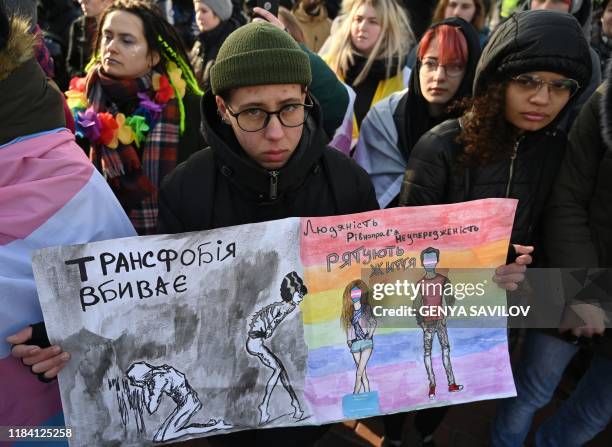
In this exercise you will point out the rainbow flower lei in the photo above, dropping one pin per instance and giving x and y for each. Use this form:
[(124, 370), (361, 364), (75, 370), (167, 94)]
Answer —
[(109, 130)]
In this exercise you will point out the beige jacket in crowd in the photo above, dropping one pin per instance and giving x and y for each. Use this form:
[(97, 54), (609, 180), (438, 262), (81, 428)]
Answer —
[(316, 28)]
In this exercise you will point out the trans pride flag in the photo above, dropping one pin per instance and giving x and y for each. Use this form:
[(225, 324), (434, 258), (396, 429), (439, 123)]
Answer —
[(50, 194)]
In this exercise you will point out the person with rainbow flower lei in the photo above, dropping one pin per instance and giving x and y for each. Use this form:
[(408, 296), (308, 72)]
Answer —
[(138, 106)]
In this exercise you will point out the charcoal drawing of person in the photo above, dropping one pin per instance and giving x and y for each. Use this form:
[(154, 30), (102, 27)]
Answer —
[(262, 326), (156, 381)]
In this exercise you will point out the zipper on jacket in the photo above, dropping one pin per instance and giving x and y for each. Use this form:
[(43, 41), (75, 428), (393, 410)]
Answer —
[(511, 173), (273, 184)]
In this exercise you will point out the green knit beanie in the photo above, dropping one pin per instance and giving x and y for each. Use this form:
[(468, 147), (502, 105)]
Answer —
[(259, 54)]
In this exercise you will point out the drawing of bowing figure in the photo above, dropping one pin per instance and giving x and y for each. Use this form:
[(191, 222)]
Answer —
[(262, 326), (156, 381), (359, 323)]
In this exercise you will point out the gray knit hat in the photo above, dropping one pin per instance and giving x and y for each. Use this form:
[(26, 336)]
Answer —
[(259, 54), (221, 8)]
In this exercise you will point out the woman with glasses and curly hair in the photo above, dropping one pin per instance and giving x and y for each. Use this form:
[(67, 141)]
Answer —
[(507, 143), (137, 107)]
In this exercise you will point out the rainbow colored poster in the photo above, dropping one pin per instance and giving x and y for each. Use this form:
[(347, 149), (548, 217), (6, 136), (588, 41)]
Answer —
[(407, 355), (292, 322)]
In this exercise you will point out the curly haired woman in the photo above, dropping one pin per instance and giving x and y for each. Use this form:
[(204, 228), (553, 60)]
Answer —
[(507, 143)]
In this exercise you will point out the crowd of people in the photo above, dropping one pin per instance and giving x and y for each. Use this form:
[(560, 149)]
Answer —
[(125, 117)]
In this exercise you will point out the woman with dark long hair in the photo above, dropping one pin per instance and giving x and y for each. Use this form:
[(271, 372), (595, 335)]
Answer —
[(138, 106)]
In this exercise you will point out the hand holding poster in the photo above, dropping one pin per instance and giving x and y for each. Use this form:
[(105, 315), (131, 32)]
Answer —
[(281, 323)]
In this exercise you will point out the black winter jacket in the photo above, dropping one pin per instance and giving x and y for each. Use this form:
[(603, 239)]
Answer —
[(432, 176), (206, 48), (579, 218), (222, 186), (80, 46)]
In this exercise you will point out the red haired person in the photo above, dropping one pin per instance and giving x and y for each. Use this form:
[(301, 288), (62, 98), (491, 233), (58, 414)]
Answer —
[(443, 74)]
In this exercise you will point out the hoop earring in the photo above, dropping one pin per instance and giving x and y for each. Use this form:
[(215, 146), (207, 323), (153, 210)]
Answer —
[(223, 117)]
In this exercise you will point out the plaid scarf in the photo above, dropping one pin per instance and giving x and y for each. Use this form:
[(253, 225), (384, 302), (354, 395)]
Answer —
[(135, 174)]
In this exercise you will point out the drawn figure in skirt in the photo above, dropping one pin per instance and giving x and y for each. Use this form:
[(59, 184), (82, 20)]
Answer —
[(359, 323)]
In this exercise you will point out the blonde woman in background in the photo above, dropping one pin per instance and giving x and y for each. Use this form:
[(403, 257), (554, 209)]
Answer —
[(472, 11), (368, 52)]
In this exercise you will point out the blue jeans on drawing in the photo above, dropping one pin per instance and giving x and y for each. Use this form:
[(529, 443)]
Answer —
[(584, 414)]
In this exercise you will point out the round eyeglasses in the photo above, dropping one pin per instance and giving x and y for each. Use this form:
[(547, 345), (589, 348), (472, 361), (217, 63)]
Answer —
[(533, 84), (255, 119)]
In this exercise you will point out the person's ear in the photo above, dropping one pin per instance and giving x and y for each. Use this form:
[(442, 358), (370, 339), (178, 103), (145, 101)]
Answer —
[(154, 58), (222, 109)]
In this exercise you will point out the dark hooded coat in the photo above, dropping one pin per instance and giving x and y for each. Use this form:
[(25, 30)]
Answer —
[(207, 45), (584, 16), (579, 216), (433, 175)]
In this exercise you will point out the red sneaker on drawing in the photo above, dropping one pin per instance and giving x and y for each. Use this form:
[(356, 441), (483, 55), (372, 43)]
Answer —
[(453, 388), (432, 392)]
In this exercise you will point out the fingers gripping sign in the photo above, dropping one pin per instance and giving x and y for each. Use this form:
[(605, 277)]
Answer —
[(509, 276), (33, 348)]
